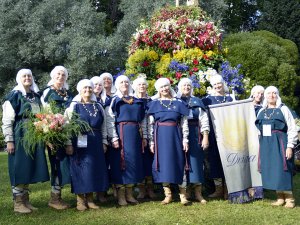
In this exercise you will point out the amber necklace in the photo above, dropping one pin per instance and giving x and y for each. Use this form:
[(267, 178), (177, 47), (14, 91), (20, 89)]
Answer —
[(128, 101), (89, 112), (62, 93), (166, 105)]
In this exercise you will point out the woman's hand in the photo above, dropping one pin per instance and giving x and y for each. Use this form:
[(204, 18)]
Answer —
[(10, 147), (115, 144), (152, 148), (185, 146), (288, 153), (205, 142), (69, 150), (104, 148)]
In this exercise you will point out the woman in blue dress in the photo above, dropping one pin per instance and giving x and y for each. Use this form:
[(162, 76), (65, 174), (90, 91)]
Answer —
[(23, 169), (278, 136), (87, 161), (139, 86), (198, 136), (217, 96), (168, 134), (57, 94), (128, 134)]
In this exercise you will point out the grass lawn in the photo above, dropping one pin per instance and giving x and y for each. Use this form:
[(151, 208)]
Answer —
[(215, 212)]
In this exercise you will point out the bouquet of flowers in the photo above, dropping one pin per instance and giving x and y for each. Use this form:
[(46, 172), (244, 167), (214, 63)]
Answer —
[(53, 129), (177, 42)]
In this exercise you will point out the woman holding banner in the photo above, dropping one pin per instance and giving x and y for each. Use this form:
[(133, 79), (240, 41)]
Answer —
[(217, 96), (278, 135)]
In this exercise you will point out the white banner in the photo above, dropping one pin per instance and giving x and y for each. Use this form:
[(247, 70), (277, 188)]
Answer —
[(237, 139)]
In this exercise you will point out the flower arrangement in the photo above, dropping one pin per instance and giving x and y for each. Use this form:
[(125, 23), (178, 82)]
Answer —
[(177, 42), (53, 129)]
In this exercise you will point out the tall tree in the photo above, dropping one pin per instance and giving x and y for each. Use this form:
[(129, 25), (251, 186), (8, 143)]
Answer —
[(40, 34), (282, 18), (240, 15)]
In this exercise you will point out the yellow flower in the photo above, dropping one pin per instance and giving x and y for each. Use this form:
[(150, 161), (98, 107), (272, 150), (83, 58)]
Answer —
[(163, 65), (194, 53), (210, 53), (152, 55)]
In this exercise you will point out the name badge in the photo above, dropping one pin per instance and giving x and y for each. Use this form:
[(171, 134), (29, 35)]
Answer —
[(267, 130), (82, 141), (35, 108)]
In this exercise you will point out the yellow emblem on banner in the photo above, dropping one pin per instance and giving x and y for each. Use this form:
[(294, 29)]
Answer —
[(234, 132)]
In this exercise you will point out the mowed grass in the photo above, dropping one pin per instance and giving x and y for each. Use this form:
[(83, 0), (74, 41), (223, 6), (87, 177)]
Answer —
[(150, 212)]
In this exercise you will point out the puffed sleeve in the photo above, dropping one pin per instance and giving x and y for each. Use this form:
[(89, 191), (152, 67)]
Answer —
[(203, 119), (111, 128), (45, 103), (104, 126), (8, 120), (185, 129), (150, 129), (292, 134)]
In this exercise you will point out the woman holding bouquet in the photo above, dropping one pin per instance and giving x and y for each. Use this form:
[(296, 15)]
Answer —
[(127, 131), (23, 169), (217, 96), (168, 134), (57, 97), (278, 136), (198, 136), (146, 187), (87, 161)]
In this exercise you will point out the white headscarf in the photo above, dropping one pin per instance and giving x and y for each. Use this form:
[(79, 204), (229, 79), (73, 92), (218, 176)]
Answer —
[(54, 72), (256, 88), (182, 82), (117, 85), (268, 90), (136, 82), (113, 89), (81, 84), (96, 80), (162, 82), (20, 86), (217, 79)]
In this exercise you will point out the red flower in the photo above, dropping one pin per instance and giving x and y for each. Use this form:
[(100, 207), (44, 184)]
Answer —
[(195, 69), (205, 57), (170, 79), (145, 63), (158, 76), (191, 73), (195, 62), (178, 75)]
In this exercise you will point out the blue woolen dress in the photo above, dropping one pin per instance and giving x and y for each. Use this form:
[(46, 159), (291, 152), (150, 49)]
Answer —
[(215, 164), (195, 154), (126, 162), (23, 168), (276, 170), (88, 168), (169, 157)]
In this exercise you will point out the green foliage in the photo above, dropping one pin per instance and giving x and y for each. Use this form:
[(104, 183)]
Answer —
[(240, 15), (215, 8), (52, 129), (282, 18), (41, 34), (266, 60)]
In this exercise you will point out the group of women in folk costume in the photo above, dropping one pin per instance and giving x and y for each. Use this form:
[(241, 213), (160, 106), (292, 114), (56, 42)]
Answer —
[(136, 140)]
